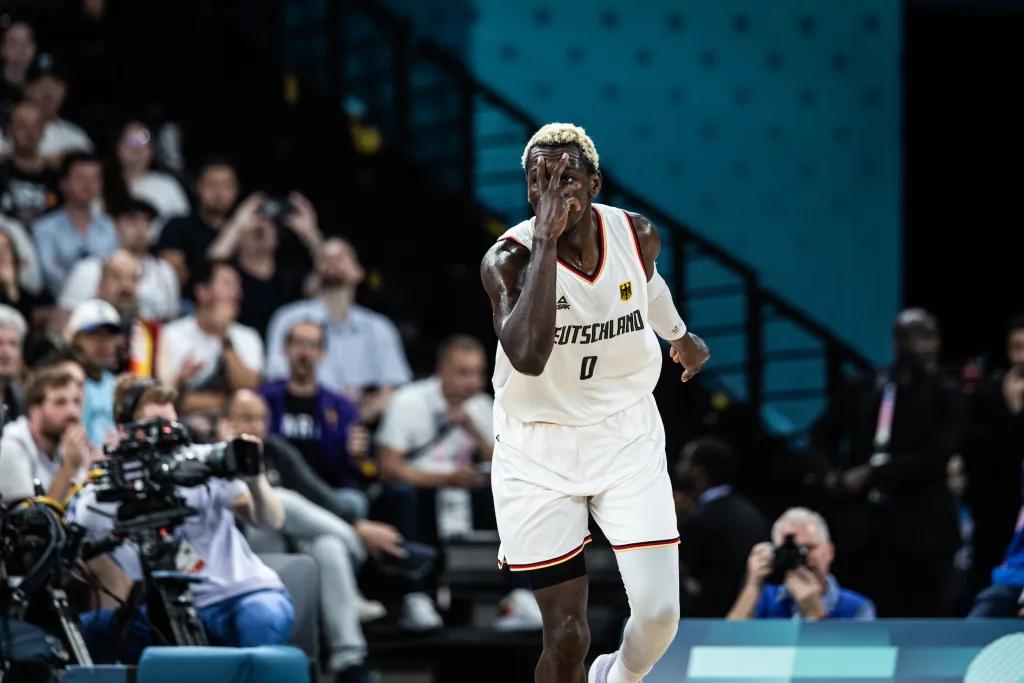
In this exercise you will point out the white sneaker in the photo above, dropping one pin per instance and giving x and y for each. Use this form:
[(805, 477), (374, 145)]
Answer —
[(370, 610), (419, 613), (519, 611), (601, 667)]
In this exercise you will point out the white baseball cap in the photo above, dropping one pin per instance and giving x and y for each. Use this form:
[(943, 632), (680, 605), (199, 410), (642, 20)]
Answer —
[(90, 316)]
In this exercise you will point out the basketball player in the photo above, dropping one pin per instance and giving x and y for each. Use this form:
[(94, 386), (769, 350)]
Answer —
[(577, 303)]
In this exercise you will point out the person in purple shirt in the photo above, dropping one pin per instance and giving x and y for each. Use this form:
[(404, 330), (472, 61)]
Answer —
[(322, 425)]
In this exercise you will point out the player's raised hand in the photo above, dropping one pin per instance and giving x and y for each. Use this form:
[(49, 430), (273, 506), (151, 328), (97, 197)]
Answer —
[(691, 352), (553, 205)]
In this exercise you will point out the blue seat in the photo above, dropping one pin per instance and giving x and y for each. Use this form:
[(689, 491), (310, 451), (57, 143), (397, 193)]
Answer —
[(268, 664)]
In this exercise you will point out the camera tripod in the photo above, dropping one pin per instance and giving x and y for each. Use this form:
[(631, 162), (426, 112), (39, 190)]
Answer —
[(165, 590)]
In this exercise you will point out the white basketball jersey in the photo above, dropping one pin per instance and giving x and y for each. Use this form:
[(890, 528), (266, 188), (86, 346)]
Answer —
[(606, 357)]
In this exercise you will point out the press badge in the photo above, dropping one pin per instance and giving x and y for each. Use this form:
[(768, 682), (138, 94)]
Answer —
[(188, 559)]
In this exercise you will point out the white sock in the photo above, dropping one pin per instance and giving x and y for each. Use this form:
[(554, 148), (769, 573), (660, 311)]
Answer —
[(651, 577)]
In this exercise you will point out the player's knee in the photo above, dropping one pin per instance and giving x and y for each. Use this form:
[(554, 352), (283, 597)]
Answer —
[(569, 639), (660, 620)]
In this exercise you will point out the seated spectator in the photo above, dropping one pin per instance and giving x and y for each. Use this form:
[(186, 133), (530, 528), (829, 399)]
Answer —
[(365, 361), (241, 602), (719, 525), (808, 592), (251, 240), (322, 425), (158, 290), (993, 458), (46, 443), (887, 440), (94, 333), (132, 176), (47, 88), (1005, 597), (17, 52), (314, 519), (119, 286), (13, 291), (28, 181), (185, 240), (12, 333), (208, 355), (432, 434), (75, 230)]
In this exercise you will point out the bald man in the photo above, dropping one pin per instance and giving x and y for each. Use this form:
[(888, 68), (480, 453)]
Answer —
[(314, 518)]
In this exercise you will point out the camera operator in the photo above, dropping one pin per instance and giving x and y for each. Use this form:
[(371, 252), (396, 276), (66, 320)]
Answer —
[(48, 443), (808, 590), (241, 601)]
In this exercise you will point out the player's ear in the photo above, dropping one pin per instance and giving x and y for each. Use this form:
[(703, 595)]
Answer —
[(595, 184)]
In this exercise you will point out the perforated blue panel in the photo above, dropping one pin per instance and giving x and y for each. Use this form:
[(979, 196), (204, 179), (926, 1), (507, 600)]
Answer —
[(771, 127)]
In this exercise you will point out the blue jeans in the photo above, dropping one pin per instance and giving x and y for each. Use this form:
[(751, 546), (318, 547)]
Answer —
[(263, 617)]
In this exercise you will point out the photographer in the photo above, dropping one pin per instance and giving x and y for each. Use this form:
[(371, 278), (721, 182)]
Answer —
[(48, 443), (241, 601), (808, 590)]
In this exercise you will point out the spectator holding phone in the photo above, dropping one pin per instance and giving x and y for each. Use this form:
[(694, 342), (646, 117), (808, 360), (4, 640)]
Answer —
[(793, 579)]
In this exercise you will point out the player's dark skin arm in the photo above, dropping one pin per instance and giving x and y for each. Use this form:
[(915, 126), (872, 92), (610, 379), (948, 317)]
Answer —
[(521, 282), (690, 351)]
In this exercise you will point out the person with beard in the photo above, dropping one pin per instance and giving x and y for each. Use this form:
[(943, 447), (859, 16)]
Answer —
[(184, 241), (48, 443), (209, 355), (322, 425), (95, 334), (251, 242), (884, 443), (719, 526), (364, 359)]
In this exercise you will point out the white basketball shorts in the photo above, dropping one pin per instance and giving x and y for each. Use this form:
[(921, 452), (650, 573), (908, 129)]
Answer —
[(547, 477)]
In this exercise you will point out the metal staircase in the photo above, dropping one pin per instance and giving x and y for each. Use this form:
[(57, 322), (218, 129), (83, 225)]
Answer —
[(469, 137)]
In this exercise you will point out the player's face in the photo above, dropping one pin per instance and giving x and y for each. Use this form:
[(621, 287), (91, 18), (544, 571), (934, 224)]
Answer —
[(462, 374), (576, 180)]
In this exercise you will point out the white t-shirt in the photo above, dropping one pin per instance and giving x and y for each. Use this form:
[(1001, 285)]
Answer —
[(21, 461), (164, 193), (183, 339), (230, 567), (61, 137), (159, 292), (414, 424)]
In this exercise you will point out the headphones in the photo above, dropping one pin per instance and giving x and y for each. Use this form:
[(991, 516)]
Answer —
[(130, 400)]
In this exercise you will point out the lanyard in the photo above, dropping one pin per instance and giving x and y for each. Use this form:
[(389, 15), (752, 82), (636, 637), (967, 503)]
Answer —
[(883, 432)]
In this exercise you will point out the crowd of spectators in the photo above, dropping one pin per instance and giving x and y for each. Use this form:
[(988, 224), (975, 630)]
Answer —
[(125, 279)]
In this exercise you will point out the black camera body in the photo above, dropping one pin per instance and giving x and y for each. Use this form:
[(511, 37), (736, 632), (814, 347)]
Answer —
[(153, 458), (787, 557)]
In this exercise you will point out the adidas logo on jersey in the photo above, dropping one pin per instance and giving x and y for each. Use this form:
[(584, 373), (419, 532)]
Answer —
[(562, 304)]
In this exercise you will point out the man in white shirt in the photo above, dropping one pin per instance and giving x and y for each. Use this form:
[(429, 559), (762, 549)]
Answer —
[(47, 443), (159, 293), (208, 355)]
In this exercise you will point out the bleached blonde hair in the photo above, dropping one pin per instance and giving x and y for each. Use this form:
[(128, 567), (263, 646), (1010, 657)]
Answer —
[(557, 134), (800, 516)]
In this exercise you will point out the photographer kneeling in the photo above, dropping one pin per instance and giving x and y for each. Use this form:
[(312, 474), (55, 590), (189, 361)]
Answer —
[(792, 577), (240, 601)]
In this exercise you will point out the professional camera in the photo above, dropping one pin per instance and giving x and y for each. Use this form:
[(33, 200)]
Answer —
[(787, 557), (154, 456), (142, 474), (38, 632)]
